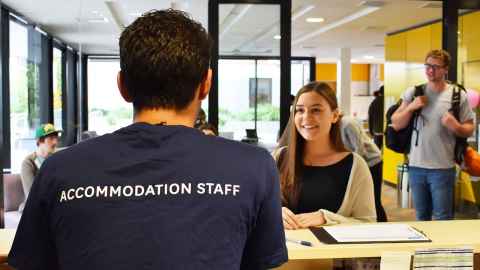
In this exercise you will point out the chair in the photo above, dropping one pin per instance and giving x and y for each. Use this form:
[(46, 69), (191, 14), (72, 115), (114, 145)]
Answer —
[(251, 136), (13, 198), (13, 190)]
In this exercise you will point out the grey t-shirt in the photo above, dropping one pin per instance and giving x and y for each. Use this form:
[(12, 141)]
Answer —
[(435, 142)]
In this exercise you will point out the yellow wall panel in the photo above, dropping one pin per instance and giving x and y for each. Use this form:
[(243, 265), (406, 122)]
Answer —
[(418, 44), (471, 36), (326, 72), (382, 72), (360, 72), (436, 36), (466, 188), (396, 45), (390, 162), (395, 80)]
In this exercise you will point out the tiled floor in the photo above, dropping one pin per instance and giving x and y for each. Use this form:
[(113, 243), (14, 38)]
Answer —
[(394, 213)]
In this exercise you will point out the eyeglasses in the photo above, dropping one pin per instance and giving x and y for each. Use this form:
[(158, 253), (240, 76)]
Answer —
[(434, 67)]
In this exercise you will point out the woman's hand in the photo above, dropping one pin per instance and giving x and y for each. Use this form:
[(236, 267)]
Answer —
[(310, 219), (289, 219)]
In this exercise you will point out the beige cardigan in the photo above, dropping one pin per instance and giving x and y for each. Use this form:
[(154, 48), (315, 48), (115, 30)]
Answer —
[(358, 203)]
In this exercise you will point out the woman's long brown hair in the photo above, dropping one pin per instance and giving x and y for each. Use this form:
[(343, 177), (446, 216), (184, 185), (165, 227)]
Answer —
[(290, 162)]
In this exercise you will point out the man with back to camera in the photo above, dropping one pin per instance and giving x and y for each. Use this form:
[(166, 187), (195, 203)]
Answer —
[(145, 196), (431, 160), (47, 141)]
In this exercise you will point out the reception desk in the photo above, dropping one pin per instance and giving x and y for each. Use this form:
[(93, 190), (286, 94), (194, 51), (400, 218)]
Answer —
[(6, 240), (454, 233)]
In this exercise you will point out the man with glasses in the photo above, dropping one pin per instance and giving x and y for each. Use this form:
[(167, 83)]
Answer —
[(431, 158)]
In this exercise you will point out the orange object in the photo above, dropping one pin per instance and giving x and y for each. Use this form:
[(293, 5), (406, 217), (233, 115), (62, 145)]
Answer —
[(472, 161)]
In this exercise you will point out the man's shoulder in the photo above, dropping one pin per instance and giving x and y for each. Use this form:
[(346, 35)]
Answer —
[(30, 158), (408, 93), (89, 147), (231, 147)]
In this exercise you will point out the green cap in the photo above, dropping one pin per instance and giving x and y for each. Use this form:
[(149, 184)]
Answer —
[(46, 129)]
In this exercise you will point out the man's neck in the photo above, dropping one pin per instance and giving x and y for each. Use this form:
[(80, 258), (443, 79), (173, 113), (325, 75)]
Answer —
[(164, 116), (437, 86)]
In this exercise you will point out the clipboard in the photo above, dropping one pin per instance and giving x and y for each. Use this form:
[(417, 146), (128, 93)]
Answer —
[(325, 237)]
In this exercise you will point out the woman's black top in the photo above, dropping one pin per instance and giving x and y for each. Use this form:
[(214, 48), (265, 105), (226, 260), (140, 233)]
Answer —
[(323, 187)]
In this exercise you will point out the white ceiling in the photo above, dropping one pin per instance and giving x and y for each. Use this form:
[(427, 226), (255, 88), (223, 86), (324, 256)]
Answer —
[(77, 23)]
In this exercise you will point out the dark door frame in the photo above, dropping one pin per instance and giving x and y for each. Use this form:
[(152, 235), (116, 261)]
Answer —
[(285, 54)]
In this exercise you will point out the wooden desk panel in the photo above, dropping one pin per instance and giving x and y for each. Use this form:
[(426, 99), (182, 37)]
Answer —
[(6, 240), (453, 233)]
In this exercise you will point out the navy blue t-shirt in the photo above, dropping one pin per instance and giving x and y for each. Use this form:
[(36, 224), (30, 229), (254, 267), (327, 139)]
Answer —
[(153, 197)]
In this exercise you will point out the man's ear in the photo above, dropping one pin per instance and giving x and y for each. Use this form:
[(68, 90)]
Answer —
[(205, 85), (122, 88)]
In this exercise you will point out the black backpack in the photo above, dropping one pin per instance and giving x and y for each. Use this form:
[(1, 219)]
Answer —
[(460, 142), (399, 140)]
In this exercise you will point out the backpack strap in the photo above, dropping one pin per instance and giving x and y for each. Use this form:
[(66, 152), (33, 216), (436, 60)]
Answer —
[(455, 109), (419, 91), (460, 142)]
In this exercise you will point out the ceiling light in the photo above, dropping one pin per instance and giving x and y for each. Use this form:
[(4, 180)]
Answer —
[(135, 14), (369, 57), (277, 37), (301, 11), (99, 20), (335, 24), (315, 20)]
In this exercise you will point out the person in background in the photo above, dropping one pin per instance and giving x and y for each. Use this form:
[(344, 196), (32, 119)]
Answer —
[(375, 117), (145, 196), (322, 183), (47, 141), (208, 129), (356, 140), (201, 119), (87, 135), (431, 172)]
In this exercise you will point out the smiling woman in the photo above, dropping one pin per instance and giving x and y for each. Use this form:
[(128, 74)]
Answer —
[(322, 183)]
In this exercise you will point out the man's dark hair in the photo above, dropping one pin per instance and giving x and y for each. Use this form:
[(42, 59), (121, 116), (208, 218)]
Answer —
[(164, 56)]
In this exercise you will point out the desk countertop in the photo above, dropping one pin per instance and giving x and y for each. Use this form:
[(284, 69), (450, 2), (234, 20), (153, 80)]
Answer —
[(454, 233), (6, 240)]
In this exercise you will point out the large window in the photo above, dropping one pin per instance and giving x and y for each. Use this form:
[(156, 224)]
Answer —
[(107, 111), (25, 60), (300, 75), (57, 88), (260, 91), (249, 96)]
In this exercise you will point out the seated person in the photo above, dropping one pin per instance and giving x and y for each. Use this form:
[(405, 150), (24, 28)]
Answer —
[(88, 134), (356, 140), (47, 140), (321, 182), (208, 129), (201, 119)]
